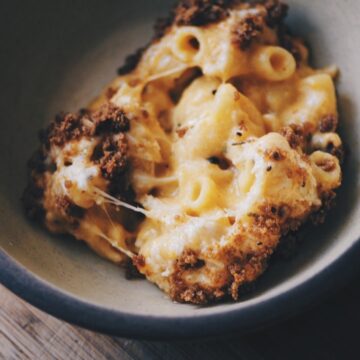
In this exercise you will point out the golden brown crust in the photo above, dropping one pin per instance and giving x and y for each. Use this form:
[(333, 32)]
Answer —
[(201, 12), (66, 127), (68, 212), (131, 61), (276, 12), (240, 270), (247, 30), (111, 156), (110, 119), (193, 12), (185, 12), (205, 12), (73, 126), (328, 123), (139, 261), (294, 135), (189, 260), (241, 267), (109, 123)]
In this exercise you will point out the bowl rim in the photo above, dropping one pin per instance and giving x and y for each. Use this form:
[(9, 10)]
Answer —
[(76, 311)]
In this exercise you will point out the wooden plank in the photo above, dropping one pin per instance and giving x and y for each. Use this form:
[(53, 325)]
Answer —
[(328, 331)]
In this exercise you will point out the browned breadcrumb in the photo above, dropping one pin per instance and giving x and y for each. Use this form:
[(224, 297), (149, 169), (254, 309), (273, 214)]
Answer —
[(275, 154), (69, 208), (139, 261), (131, 61), (111, 155), (247, 30), (246, 270), (68, 211), (201, 12), (66, 127), (109, 123), (70, 126), (196, 294), (110, 118), (241, 269), (162, 25), (194, 12), (204, 12), (190, 260), (273, 219), (276, 12), (294, 135), (328, 123)]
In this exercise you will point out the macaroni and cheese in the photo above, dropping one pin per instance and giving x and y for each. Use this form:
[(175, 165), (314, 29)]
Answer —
[(212, 144)]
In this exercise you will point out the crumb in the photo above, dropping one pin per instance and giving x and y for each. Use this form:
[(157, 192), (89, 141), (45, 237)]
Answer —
[(328, 123), (294, 135), (110, 118), (246, 31), (112, 157), (131, 61), (190, 260), (276, 12)]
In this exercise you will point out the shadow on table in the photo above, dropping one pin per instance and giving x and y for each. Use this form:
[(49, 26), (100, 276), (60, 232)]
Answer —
[(327, 331)]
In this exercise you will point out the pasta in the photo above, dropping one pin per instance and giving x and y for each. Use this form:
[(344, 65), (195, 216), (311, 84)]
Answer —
[(273, 63), (196, 161)]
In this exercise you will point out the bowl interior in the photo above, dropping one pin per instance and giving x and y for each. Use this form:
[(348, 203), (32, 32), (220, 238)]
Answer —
[(58, 57)]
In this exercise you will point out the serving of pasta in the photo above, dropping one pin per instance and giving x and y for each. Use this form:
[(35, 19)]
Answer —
[(215, 142)]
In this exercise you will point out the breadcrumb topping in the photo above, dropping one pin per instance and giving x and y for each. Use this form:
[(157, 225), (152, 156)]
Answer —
[(248, 29)]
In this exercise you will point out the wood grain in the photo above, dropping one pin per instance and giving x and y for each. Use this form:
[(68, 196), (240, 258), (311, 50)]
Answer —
[(328, 331)]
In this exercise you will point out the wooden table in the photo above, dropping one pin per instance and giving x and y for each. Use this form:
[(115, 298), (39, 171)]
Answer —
[(331, 330)]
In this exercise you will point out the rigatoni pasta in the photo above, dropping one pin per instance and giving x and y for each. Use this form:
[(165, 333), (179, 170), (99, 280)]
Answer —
[(212, 145)]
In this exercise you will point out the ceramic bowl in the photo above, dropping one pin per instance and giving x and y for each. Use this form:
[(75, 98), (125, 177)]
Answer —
[(58, 56)]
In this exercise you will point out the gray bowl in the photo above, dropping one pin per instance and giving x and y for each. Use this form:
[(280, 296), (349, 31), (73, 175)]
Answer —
[(57, 56)]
